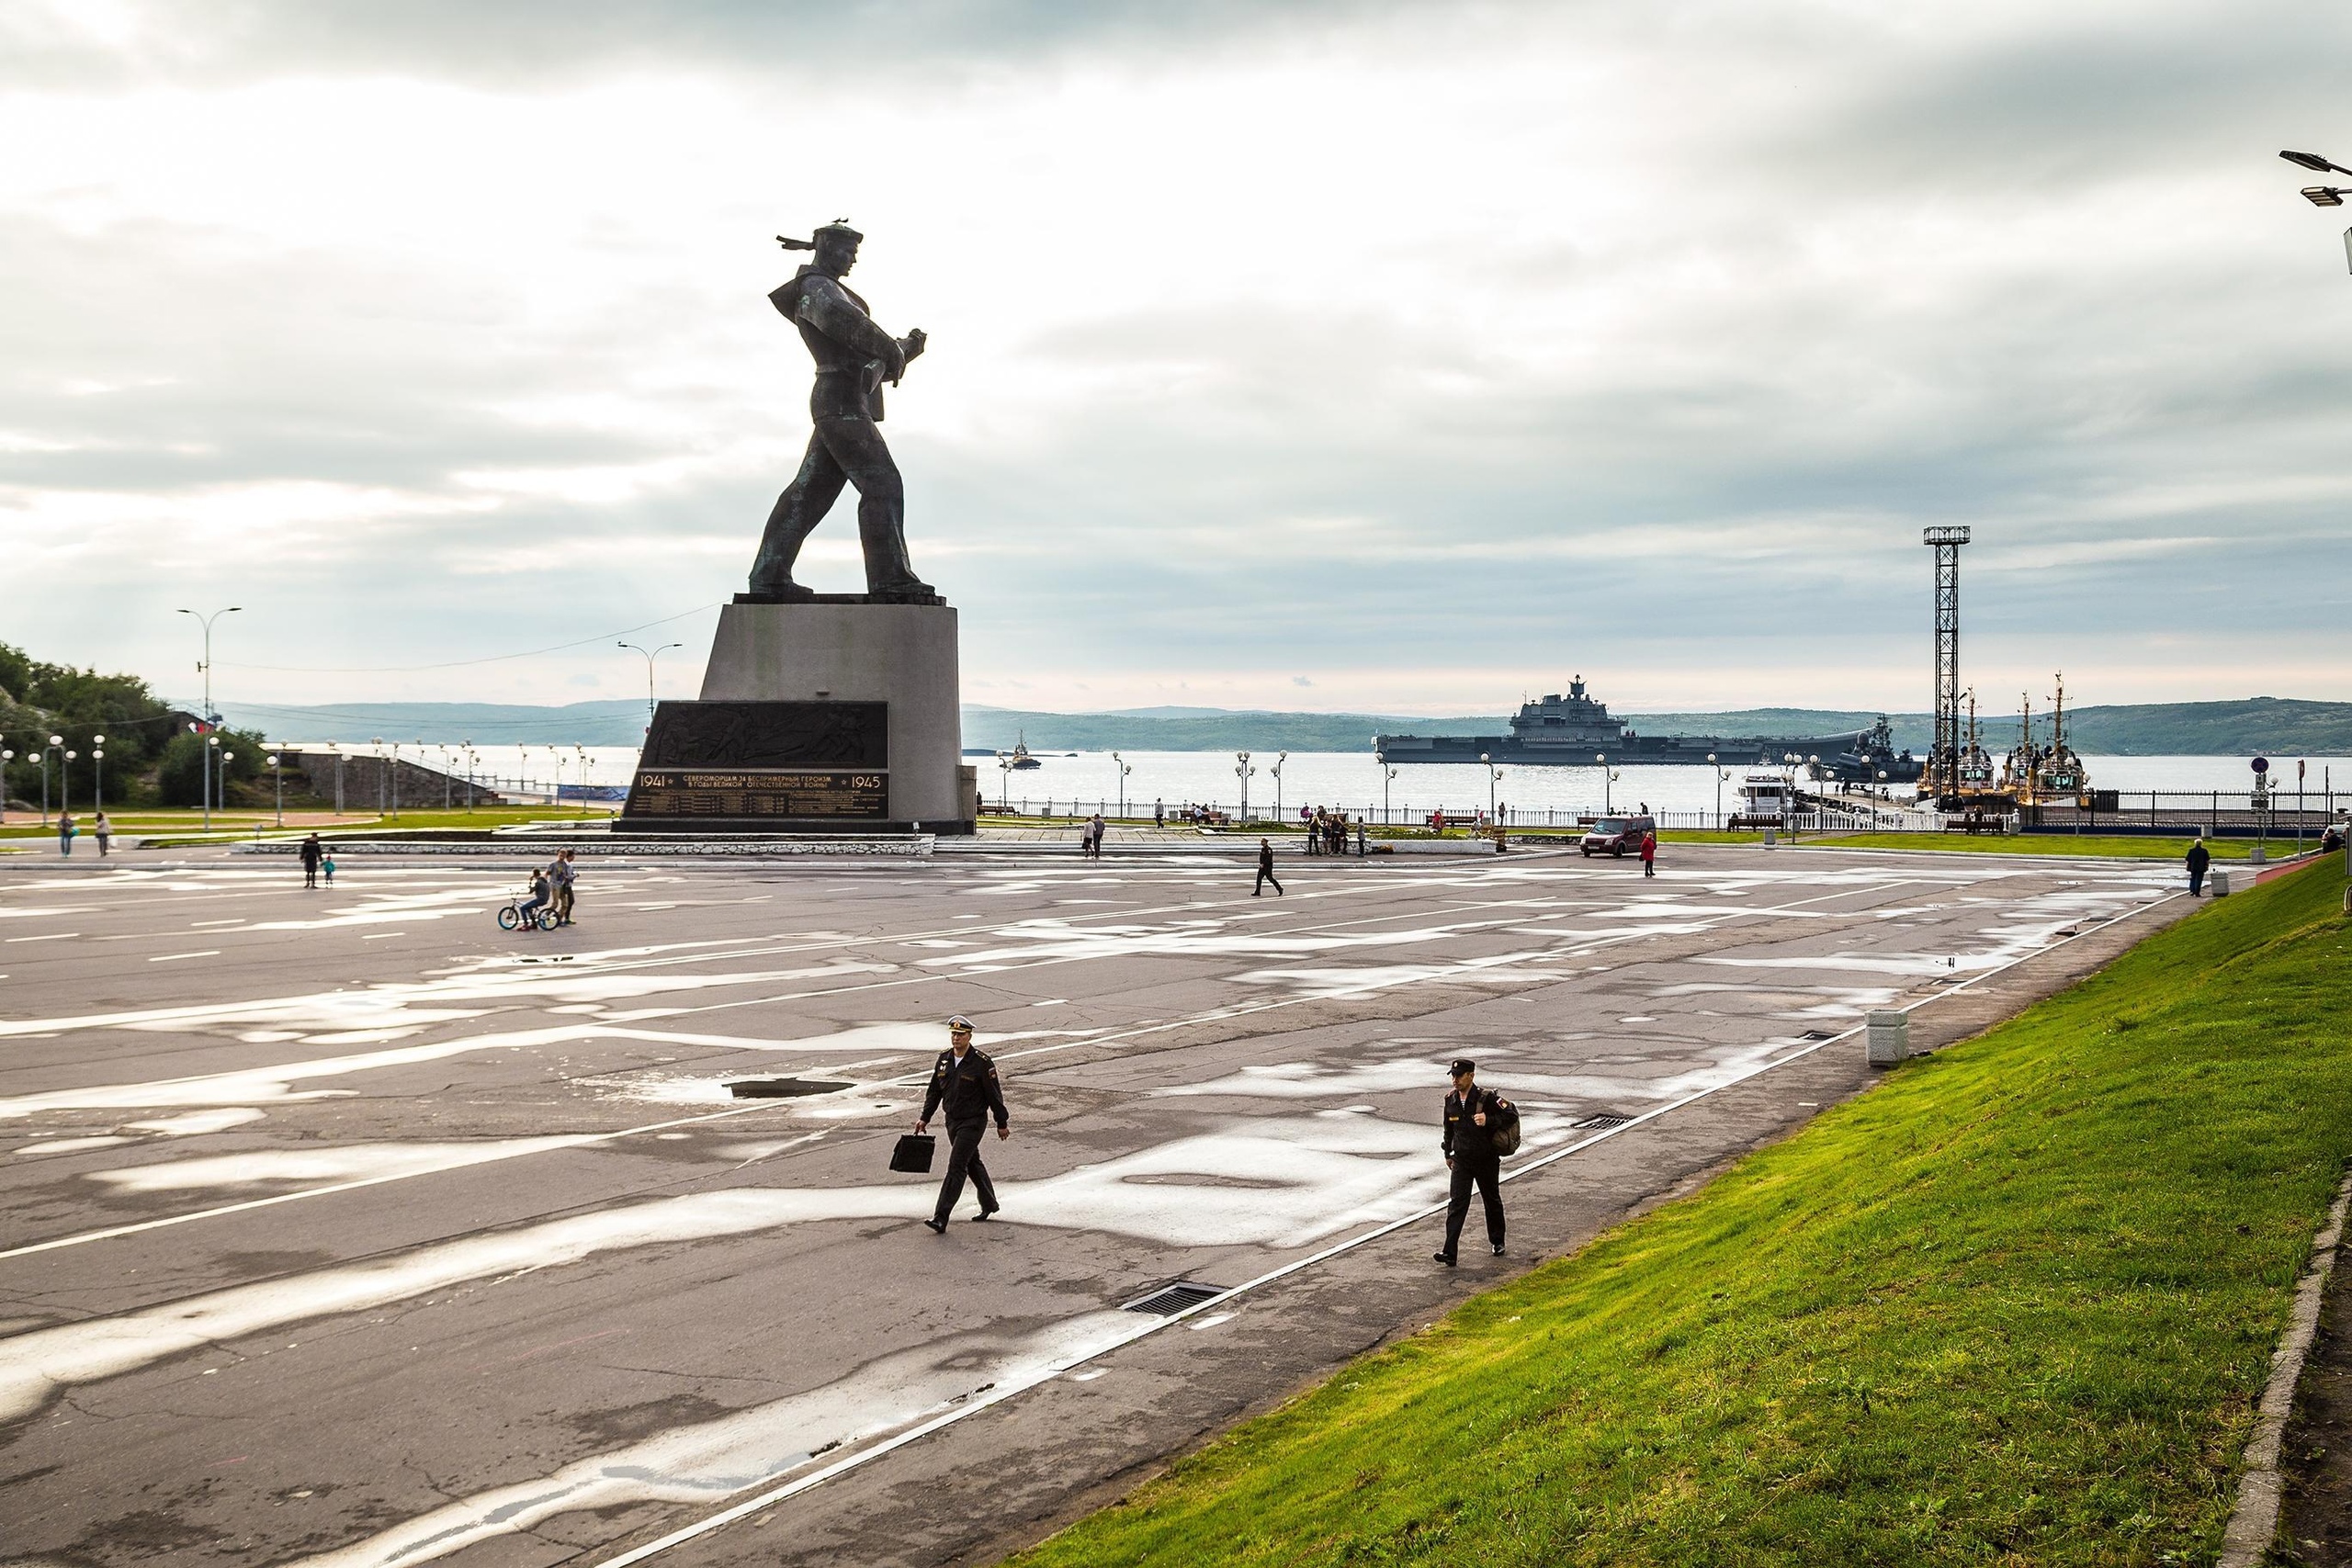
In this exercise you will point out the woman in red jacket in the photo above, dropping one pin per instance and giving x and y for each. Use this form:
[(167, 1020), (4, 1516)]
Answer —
[(1649, 851)]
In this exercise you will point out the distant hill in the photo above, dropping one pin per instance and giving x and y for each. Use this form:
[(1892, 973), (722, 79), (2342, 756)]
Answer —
[(2283, 727)]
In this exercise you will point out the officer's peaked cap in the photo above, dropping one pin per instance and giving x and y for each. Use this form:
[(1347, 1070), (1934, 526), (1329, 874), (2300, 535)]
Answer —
[(960, 1021), (1463, 1065)]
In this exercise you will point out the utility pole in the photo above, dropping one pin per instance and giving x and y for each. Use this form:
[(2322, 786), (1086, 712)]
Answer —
[(1944, 756)]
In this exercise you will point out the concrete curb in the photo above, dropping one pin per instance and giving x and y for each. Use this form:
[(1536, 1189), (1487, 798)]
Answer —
[(2253, 1522)]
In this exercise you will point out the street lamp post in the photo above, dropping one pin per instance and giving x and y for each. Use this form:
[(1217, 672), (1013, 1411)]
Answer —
[(1387, 777), (209, 718), (56, 743), (98, 772), (468, 748), (277, 783), (1280, 758), (65, 782), (1607, 778), (580, 754), (651, 655), (1719, 791), (6, 757), (1003, 783), (1242, 771), (1123, 772), (1493, 774)]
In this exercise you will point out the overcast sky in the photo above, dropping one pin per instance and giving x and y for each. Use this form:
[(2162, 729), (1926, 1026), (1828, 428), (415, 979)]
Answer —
[(1403, 358)]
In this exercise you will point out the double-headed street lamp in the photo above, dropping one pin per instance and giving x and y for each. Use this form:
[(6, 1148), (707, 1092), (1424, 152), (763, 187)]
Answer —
[(1124, 770), (1388, 776), (98, 773), (278, 780), (651, 655), (1493, 774), (1608, 777), (1003, 781), (1276, 769), (1720, 776), (1244, 771), (2323, 195)]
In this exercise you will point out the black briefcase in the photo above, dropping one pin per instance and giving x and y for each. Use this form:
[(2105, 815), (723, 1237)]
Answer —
[(914, 1153)]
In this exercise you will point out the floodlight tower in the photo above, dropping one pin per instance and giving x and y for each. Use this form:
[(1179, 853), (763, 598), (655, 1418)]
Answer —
[(1943, 758)]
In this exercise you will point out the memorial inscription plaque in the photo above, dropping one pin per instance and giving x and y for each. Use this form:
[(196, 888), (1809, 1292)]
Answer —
[(749, 763)]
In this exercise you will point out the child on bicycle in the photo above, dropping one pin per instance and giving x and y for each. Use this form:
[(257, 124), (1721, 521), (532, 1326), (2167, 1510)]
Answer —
[(540, 896)]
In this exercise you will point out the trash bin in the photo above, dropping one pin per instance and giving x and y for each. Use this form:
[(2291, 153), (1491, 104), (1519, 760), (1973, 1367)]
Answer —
[(2219, 881), (1768, 838), (2255, 857), (1890, 1038)]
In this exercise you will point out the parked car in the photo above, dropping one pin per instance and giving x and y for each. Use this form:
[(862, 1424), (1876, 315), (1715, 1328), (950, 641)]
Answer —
[(1615, 835)]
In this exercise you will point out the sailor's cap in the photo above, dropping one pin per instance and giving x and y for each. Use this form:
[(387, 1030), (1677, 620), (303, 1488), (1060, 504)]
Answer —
[(960, 1023)]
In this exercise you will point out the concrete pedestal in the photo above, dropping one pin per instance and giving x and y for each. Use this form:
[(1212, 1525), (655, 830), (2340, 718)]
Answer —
[(802, 706)]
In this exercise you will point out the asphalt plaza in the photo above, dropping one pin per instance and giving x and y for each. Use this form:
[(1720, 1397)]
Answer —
[(340, 1227)]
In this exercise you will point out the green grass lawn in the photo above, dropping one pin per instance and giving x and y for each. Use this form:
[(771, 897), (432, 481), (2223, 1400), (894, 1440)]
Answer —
[(2057, 845), (2011, 1306)]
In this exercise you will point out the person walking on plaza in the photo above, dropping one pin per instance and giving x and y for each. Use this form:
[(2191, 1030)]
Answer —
[(560, 876), (2200, 857), (313, 852), (1266, 869), (1649, 851), (104, 831), (964, 1083), (1159, 813), (65, 832), (1473, 1117)]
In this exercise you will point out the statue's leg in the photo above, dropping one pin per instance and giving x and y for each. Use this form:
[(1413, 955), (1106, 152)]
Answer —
[(857, 445), (797, 511)]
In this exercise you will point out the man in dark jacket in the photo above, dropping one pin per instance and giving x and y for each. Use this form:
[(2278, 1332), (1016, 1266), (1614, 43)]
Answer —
[(964, 1082), (1266, 869), (1472, 1115), (2200, 857), (311, 853)]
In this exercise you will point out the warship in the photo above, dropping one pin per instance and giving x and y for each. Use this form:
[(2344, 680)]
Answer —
[(1573, 730)]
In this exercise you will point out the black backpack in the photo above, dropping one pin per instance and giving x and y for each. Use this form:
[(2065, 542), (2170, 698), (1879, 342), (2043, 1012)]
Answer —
[(1502, 1125)]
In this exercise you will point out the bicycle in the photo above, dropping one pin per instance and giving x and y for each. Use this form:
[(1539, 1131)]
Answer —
[(511, 917)]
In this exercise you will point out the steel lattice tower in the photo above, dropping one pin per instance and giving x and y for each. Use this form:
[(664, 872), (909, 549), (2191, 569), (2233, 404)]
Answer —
[(1943, 759)]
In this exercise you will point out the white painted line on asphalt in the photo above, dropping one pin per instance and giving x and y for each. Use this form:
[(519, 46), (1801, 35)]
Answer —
[(168, 957), (53, 936), (536, 1145), (972, 1408)]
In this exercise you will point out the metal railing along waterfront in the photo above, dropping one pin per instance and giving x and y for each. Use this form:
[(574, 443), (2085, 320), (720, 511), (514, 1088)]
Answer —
[(2162, 813)]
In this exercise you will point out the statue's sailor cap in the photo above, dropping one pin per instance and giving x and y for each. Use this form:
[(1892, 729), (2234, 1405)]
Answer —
[(838, 228)]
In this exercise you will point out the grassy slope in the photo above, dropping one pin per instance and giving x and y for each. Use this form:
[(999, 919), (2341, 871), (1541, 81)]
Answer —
[(2011, 1306)]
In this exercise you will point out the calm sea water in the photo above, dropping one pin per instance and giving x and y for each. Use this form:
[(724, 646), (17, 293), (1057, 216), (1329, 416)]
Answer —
[(1351, 780)]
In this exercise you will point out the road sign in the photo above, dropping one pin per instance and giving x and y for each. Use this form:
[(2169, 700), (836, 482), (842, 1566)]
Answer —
[(2262, 764)]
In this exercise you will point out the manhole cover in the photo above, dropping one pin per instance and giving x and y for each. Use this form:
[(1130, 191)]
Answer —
[(1175, 1298), (1602, 1123), (779, 1089)]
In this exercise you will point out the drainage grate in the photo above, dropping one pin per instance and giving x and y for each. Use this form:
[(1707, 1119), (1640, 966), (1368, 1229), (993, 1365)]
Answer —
[(1818, 1035), (779, 1089), (1602, 1123), (1175, 1298)]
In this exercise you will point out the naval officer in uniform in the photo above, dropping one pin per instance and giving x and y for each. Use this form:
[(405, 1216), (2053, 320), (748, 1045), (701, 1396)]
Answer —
[(964, 1081)]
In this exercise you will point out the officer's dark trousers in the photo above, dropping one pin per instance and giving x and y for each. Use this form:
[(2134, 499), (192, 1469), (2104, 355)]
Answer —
[(2197, 882), (1486, 1176), (1265, 877), (840, 450), (963, 1157)]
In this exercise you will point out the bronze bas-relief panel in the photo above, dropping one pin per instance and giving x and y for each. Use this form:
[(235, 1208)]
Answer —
[(720, 736), (755, 792)]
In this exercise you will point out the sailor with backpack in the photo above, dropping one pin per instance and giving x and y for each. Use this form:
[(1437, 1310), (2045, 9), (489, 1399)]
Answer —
[(1481, 1127)]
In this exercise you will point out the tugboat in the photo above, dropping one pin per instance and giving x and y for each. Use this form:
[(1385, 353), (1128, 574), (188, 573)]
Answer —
[(1021, 761), (2034, 774)]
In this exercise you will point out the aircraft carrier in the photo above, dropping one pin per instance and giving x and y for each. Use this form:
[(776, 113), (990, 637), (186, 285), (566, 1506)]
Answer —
[(1572, 730)]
